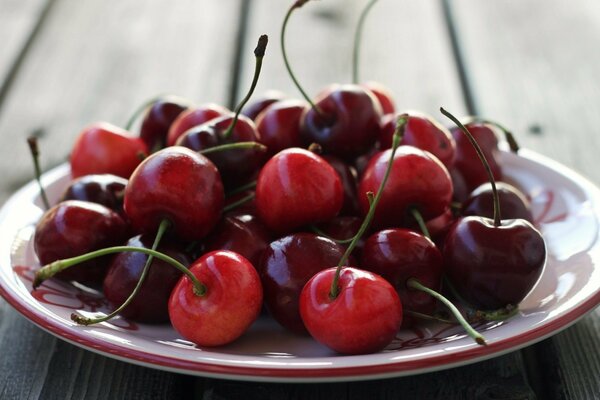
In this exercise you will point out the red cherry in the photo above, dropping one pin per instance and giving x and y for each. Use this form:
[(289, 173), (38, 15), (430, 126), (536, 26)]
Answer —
[(232, 300), (279, 125), (417, 179), (297, 188), (348, 177), (158, 119), (254, 109), (103, 148), (383, 94), (400, 254), (104, 189), (286, 265), (363, 318), (72, 228), (150, 304), (349, 122), (513, 202), (192, 117), (179, 185)]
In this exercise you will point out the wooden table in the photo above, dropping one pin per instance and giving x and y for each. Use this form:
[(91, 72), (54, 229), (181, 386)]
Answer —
[(533, 65)]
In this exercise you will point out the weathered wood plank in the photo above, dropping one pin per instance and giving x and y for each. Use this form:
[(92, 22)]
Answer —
[(534, 66), (98, 60)]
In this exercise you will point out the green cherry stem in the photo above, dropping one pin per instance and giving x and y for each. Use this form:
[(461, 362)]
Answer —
[(35, 155), (49, 270), (415, 284), (508, 135), (357, 37), (259, 53), (428, 317), (321, 233), (420, 221), (297, 4), (398, 133), (162, 228), (234, 146), (238, 203), (497, 217), (243, 188)]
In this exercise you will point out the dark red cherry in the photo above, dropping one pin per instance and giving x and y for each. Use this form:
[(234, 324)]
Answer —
[(279, 125), (179, 185), (383, 94), (158, 120), (151, 303), (297, 188), (401, 254), (348, 176), (467, 161), (349, 124), (422, 132), (493, 266), (243, 234), (254, 109), (192, 117), (461, 191), (344, 228), (73, 228), (513, 202), (287, 264), (103, 148), (105, 189), (417, 179)]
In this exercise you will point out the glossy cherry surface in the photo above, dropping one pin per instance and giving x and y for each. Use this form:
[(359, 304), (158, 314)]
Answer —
[(279, 125), (105, 189), (347, 175), (72, 228), (253, 109), (493, 266), (383, 95), (417, 179), (363, 318), (232, 301), (513, 202), (192, 117), (177, 184), (102, 148), (297, 188), (400, 254), (350, 123), (287, 264), (151, 303), (158, 119)]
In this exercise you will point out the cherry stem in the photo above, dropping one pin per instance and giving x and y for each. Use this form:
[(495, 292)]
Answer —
[(35, 155), (321, 233), (49, 270), (494, 315), (396, 138), (420, 221), (297, 4), (415, 284), (486, 165), (162, 228), (243, 188), (238, 203), (429, 317), (508, 135), (234, 146), (259, 53), (357, 37)]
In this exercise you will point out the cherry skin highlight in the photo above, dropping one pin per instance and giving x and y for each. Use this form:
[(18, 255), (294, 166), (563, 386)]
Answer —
[(193, 117), (279, 125)]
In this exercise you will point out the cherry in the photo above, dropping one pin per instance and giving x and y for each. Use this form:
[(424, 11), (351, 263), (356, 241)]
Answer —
[(105, 189), (158, 119), (125, 270), (103, 148), (400, 254), (254, 109), (297, 188), (513, 202), (348, 177), (286, 265), (243, 234), (178, 185), (383, 94), (467, 162), (231, 302), (461, 191), (74, 227), (492, 263), (418, 181), (422, 132), (279, 125), (193, 117)]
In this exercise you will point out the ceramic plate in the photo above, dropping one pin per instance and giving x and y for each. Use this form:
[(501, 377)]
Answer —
[(566, 208)]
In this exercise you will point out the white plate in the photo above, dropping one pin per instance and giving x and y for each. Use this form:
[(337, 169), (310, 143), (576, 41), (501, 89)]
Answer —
[(565, 206)]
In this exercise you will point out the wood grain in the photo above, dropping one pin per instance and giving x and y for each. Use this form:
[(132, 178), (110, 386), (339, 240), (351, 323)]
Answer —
[(534, 67)]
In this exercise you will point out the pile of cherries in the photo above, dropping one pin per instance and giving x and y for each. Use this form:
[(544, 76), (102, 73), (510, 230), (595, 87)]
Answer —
[(345, 218)]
